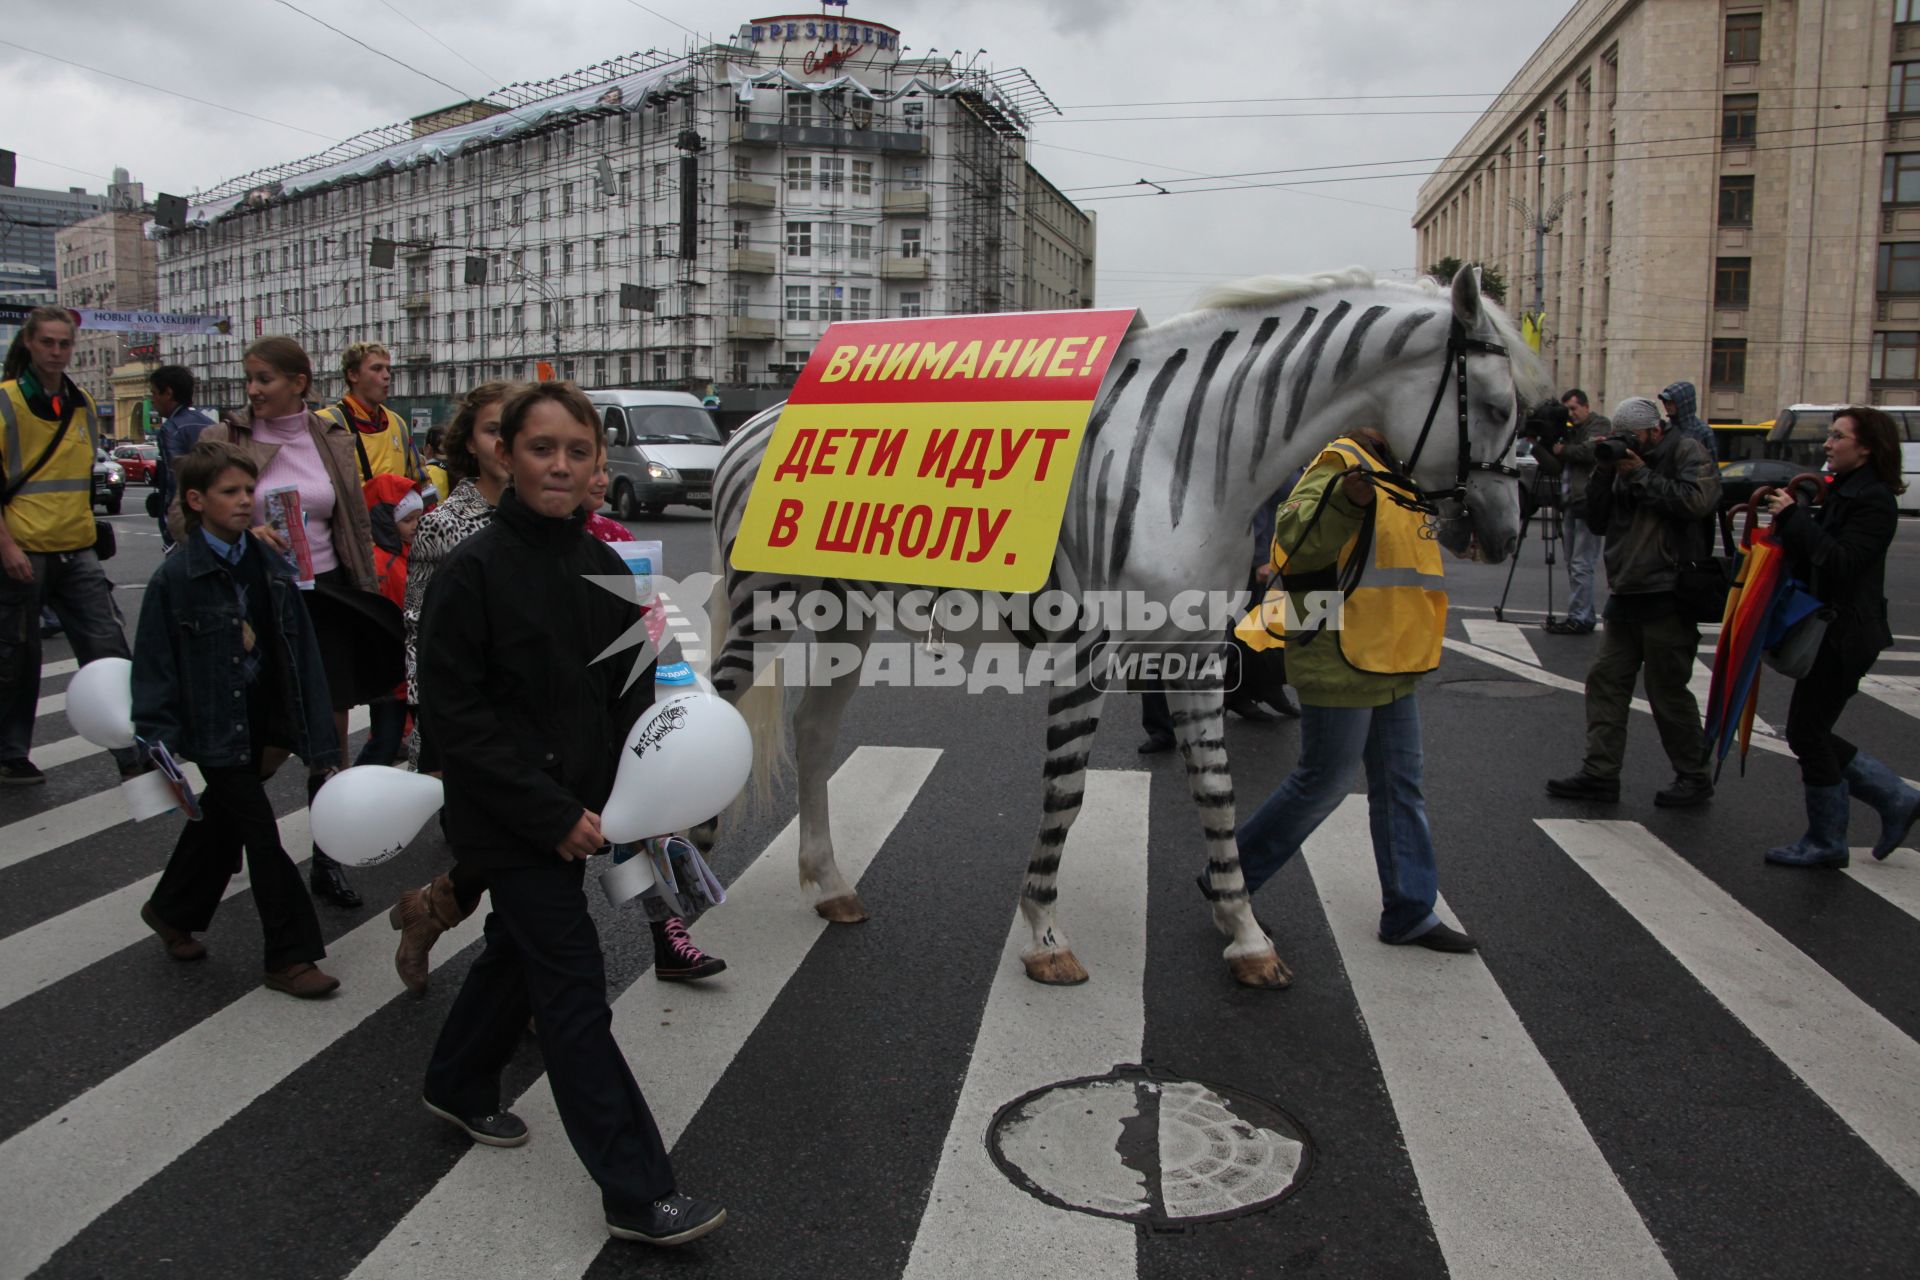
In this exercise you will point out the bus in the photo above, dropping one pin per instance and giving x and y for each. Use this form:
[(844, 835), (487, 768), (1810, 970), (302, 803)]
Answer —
[(1738, 441), (1801, 430)]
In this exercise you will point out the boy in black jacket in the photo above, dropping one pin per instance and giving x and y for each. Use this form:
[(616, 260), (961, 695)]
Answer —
[(227, 673), (531, 730)]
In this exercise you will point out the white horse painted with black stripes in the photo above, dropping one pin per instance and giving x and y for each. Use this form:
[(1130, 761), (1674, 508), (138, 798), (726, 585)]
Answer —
[(1199, 420)]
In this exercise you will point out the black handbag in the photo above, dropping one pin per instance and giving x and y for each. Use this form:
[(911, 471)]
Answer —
[(105, 544), (1702, 584)]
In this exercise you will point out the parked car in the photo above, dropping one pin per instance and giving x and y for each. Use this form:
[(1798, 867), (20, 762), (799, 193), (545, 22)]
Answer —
[(1739, 479), (141, 462), (109, 484), (662, 447)]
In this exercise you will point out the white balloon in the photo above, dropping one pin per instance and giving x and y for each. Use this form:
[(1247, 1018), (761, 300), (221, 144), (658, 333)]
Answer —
[(100, 702), (684, 761), (367, 814)]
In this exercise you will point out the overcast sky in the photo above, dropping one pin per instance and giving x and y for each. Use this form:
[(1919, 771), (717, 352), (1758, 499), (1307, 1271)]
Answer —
[(71, 127)]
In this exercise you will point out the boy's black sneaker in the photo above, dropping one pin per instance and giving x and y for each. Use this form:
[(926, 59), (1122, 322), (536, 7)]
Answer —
[(1685, 793), (20, 773), (497, 1129), (677, 959), (676, 1219)]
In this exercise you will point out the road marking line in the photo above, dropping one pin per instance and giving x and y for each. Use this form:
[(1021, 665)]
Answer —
[(474, 1220), (59, 667), (1701, 683), (1897, 879), (80, 1160), (1501, 637), (1032, 1035), (1902, 693), (1852, 1058), (1514, 1183), (52, 704), (60, 946)]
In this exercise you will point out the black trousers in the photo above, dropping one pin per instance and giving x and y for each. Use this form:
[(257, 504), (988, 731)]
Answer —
[(236, 815), (543, 958), (1818, 699)]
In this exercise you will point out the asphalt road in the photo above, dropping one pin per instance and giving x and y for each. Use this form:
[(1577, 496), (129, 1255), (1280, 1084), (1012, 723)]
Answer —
[(1670, 1059)]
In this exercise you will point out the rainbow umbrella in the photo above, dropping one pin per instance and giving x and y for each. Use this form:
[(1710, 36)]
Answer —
[(1745, 630)]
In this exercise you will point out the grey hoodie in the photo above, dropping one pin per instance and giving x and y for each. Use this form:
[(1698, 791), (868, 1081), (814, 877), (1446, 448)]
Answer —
[(1686, 417)]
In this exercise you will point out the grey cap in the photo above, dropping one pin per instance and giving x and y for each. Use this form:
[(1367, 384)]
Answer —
[(1636, 413)]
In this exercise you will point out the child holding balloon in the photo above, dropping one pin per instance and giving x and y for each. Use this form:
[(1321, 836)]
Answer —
[(529, 727), (227, 673)]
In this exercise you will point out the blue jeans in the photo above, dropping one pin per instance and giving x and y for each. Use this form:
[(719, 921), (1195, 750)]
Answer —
[(1332, 741), (386, 724), (1583, 558)]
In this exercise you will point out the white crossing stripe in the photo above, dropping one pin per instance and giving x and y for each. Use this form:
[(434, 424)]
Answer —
[(1501, 637), (51, 704), (1897, 879), (1701, 682), (475, 1220), (1514, 1184), (59, 667), (79, 1161), (60, 946), (89, 816), (1857, 1062), (1902, 693), (1032, 1035), (1892, 656)]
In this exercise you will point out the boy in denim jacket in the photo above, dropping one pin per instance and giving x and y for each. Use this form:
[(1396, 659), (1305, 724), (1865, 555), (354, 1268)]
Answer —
[(227, 673)]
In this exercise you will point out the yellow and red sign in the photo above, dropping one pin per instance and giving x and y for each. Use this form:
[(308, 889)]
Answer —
[(933, 452)]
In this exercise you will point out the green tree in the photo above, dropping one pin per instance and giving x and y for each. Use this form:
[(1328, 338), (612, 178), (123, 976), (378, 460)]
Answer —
[(1493, 281)]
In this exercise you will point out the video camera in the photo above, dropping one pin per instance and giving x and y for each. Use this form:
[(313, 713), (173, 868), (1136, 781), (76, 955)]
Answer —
[(1615, 447), (1547, 424)]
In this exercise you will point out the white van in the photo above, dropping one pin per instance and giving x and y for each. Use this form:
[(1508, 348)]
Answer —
[(662, 447)]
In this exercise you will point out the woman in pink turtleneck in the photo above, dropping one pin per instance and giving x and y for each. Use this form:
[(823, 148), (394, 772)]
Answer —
[(360, 644)]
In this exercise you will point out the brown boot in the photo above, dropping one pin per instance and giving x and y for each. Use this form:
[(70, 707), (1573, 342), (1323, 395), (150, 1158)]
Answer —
[(421, 916), (303, 981), (180, 944)]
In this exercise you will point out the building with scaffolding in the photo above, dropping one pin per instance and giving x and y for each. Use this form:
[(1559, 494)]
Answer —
[(653, 220), (106, 261)]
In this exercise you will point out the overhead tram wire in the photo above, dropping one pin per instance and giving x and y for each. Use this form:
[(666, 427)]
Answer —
[(491, 78), (1713, 90), (114, 75), (458, 92)]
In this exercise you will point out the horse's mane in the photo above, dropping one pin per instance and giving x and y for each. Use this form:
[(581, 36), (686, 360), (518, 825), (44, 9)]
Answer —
[(1529, 373)]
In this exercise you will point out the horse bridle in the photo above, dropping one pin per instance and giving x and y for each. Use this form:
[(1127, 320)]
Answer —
[(1460, 344)]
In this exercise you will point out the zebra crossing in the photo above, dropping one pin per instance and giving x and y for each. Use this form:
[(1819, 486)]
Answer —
[(1520, 1098)]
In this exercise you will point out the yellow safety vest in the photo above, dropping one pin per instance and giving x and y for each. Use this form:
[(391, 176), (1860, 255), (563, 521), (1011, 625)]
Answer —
[(436, 474), (1394, 621), (53, 512), (382, 453)]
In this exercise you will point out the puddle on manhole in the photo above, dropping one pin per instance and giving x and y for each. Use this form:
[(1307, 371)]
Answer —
[(1496, 688), (1155, 1150)]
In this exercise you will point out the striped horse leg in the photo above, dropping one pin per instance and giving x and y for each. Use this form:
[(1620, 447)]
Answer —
[(740, 651), (1072, 716), (1199, 718), (834, 675)]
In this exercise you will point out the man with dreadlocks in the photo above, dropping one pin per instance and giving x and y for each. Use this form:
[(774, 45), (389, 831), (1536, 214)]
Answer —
[(1362, 613)]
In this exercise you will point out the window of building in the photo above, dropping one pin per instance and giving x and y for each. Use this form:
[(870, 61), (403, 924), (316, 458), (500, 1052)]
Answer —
[(796, 359), (799, 302), (1736, 200), (863, 177), (546, 204), (659, 181), (599, 308), (799, 239), (859, 303), (910, 242), (799, 173), (911, 177), (599, 253), (494, 324), (659, 366), (1743, 37), (1728, 371), (566, 200), (1896, 357), (860, 112), (910, 305), (516, 209), (799, 109), (833, 303), (1739, 119), (626, 370), (566, 256), (599, 371), (1900, 179), (833, 173), (742, 235), (860, 240), (1903, 94), (740, 301), (914, 115), (473, 326), (1899, 269), (827, 239), (546, 259), (1732, 281), (1905, 11), (546, 317), (493, 212)]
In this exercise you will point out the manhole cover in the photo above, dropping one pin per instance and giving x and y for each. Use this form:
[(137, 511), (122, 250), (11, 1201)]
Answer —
[(1497, 688), (1151, 1149)]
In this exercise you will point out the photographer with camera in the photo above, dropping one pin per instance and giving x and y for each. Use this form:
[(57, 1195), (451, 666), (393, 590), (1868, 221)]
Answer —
[(1651, 493), (1571, 457)]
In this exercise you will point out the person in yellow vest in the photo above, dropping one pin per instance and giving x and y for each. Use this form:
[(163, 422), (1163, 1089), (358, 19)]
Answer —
[(48, 434), (435, 467), (1362, 611), (383, 444)]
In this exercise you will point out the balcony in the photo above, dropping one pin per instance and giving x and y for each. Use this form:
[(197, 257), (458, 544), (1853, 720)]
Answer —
[(903, 268), (751, 195), (416, 353), (769, 133), (904, 204), (416, 302), (757, 262), (752, 329)]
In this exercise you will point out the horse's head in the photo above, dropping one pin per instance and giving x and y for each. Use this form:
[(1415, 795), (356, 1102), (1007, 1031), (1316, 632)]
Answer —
[(1456, 434)]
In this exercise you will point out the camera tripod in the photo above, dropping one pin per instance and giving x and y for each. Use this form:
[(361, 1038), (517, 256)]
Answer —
[(1548, 513)]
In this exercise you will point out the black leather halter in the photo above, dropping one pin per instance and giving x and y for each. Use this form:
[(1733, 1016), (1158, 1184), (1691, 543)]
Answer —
[(1460, 344)]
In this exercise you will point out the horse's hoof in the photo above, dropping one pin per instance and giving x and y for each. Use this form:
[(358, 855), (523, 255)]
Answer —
[(1055, 968), (1268, 972), (845, 909)]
